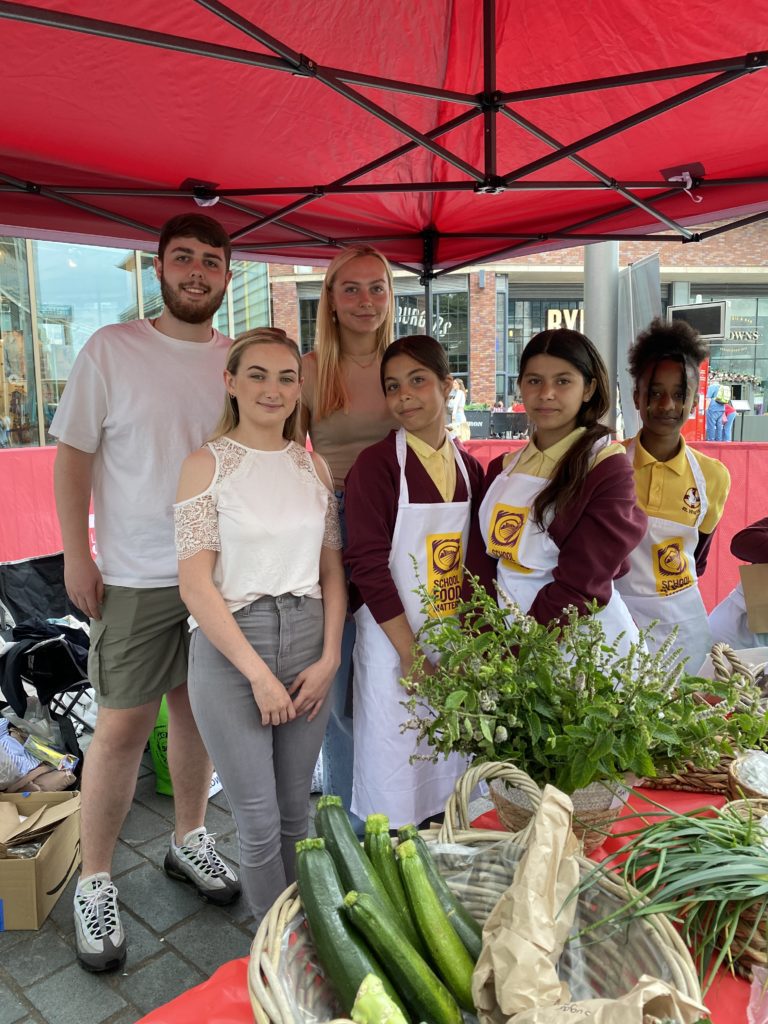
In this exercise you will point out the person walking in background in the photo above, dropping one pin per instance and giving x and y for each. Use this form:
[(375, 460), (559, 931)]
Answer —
[(260, 571), (729, 417), (717, 396), (140, 397), (682, 492), (343, 411), (560, 516), (459, 424), (410, 502)]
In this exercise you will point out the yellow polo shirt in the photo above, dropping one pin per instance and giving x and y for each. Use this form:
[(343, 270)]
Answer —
[(542, 464), (667, 490), (440, 463)]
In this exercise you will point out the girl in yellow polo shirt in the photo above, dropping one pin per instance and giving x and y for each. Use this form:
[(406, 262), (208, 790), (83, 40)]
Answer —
[(682, 492), (410, 504), (560, 516)]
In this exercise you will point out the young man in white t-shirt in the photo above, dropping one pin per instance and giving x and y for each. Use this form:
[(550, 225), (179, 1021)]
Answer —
[(141, 396)]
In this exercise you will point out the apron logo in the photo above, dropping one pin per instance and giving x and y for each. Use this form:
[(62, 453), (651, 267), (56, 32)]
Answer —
[(444, 573), (505, 533), (692, 501), (670, 567)]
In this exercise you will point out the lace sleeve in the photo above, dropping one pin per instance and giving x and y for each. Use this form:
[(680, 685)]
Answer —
[(332, 535), (196, 525)]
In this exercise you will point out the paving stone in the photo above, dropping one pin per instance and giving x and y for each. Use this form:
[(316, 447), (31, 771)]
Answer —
[(142, 824), (37, 956), (220, 800), (11, 1007), (147, 795), (142, 943), (73, 996), (155, 850), (219, 821), (158, 982), (8, 939), (155, 899), (128, 1017), (124, 859), (209, 940), (229, 847)]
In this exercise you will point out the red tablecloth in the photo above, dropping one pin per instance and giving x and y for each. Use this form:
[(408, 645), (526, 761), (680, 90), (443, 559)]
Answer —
[(223, 999)]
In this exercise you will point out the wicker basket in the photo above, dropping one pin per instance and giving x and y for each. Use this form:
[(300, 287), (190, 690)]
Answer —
[(609, 964), (738, 789), (692, 778), (595, 808), (749, 947)]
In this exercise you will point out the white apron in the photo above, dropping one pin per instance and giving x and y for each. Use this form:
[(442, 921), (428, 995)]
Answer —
[(527, 555), (662, 582), (728, 622), (384, 781)]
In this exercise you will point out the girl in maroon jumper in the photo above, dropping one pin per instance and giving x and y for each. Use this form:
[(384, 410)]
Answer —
[(410, 502), (560, 515)]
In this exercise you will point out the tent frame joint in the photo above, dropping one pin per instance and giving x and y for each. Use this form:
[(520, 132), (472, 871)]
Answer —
[(491, 185)]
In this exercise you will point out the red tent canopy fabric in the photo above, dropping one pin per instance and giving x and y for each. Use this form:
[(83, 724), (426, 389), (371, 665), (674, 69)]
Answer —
[(319, 123)]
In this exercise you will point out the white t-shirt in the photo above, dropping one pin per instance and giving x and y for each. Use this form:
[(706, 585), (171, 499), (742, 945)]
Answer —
[(142, 402)]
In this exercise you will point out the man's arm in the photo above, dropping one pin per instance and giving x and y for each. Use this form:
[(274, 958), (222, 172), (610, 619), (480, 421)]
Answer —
[(72, 476)]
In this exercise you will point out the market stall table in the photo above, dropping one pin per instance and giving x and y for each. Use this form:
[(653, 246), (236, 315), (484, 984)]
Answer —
[(223, 999)]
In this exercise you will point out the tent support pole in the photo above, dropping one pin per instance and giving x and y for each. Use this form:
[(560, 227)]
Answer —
[(601, 311)]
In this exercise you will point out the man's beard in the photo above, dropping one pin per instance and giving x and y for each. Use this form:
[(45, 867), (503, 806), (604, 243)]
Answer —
[(181, 308)]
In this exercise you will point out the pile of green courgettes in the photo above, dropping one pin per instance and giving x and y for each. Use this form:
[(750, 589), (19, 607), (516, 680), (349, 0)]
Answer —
[(388, 912)]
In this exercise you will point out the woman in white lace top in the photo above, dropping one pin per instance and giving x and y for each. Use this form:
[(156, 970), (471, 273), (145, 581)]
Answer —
[(260, 570)]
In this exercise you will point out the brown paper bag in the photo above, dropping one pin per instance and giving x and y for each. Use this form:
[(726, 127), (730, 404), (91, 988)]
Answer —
[(754, 582), (650, 1000)]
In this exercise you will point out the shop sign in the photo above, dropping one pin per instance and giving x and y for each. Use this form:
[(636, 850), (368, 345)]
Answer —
[(573, 319), (411, 316)]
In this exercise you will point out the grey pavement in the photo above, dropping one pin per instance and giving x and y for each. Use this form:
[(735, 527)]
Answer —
[(175, 940)]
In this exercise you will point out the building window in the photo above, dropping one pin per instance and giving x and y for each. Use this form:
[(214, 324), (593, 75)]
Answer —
[(18, 399)]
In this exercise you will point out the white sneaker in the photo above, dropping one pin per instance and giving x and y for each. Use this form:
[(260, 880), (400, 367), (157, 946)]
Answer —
[(98, 932), (196, 861)]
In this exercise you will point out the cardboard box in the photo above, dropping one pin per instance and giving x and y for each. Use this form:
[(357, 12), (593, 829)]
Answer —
[(754, 582), (30, 887)]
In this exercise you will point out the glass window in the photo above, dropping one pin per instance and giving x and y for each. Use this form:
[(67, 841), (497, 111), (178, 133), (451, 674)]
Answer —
[(79, 288), (18, 399), (249, 289), (451, 311), (307, 323)]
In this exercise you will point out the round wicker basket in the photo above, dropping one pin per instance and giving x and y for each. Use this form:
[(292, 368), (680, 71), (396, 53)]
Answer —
[(286, 984), (595, 808), (749, 947), (738, 789)]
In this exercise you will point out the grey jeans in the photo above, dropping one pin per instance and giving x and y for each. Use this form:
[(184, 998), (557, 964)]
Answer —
[(266, 771)]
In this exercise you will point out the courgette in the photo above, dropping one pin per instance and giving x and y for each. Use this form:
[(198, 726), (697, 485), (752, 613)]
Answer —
[(446, 950), (344, 957), (378, 846), (422, 991), (373, 1005), (355, 869), (467, 928)]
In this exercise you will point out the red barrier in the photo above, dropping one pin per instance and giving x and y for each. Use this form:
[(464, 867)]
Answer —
[(28, 524)]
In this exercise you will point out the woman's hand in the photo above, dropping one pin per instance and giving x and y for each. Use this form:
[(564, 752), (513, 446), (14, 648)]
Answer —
[(406, 668), (273, 699), (311, 686)]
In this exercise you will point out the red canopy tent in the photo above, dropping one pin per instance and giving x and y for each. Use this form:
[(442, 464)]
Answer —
[(444, 133)]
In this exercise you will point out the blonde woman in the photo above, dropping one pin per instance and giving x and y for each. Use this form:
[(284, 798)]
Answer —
[(343, 412), (260, 571), (459, 426)]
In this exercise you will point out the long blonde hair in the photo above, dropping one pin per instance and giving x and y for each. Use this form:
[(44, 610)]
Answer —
[(230, 417), (331, 393)]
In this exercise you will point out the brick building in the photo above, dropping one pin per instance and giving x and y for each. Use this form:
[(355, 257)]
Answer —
[(486, 314)]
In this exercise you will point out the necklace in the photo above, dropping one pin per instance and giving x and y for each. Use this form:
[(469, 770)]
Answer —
[(362, 361)]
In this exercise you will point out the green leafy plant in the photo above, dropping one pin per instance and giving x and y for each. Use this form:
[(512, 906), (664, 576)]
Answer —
[(707, 870), (563, 704)]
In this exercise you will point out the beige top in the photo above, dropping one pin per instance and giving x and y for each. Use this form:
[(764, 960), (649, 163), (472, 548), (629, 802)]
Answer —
[(340, 437)]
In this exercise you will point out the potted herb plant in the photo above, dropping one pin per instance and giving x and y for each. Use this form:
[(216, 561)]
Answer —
[(564, 706)]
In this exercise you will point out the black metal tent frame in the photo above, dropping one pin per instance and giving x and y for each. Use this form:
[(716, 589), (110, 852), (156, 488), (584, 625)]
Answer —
[(489, 105)]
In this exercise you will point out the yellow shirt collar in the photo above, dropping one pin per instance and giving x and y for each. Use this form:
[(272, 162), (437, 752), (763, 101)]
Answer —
[(677, 464), (552, 454), (426, 451)]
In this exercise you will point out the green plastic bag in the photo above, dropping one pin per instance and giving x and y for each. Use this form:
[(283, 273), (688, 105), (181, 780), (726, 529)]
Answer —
[(158, 748)]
